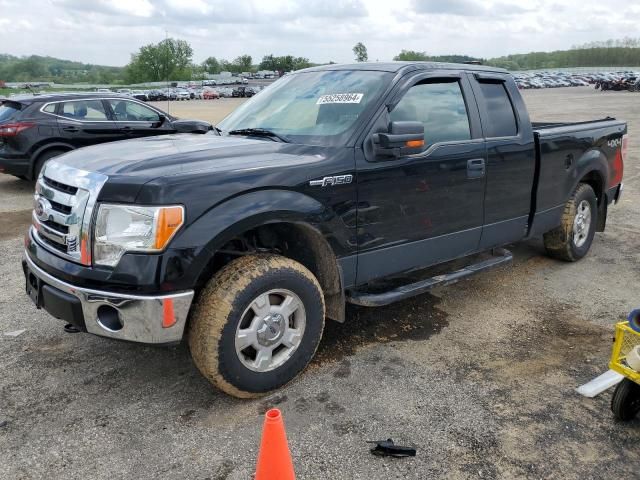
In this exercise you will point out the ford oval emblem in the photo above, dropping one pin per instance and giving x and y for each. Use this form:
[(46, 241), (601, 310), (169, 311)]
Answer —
[(42, 209)]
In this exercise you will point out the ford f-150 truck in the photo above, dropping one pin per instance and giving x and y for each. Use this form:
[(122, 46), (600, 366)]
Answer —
[(341, 183)]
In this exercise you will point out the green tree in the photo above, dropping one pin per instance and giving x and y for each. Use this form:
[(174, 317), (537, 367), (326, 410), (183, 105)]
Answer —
[(243, 63), (286, 63), (411, 56), (169, 59), (211, 65), (269, 62), (360, 51)]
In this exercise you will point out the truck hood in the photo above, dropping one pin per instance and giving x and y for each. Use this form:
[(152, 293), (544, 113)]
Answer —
[(159, 156), (202, 170)]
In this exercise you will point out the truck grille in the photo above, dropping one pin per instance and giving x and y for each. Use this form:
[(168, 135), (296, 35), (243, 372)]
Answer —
[(63, 207)]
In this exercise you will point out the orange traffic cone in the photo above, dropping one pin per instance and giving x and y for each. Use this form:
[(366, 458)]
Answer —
[(274, 458)]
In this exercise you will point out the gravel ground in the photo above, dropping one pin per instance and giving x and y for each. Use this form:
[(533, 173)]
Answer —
[(479, 376)]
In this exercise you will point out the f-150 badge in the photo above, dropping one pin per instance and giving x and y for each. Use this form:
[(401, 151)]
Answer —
[(331, 181)]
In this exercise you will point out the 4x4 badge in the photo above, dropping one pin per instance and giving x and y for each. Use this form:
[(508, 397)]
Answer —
[(331, 181)]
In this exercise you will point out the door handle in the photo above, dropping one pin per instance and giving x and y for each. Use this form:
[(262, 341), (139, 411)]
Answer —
[(126, 129), (475, 168), (71, 129)]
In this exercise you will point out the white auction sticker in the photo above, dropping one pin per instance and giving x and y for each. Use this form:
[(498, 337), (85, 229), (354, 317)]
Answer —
[(340, 98)]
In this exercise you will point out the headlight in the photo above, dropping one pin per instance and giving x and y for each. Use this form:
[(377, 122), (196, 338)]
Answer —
[(128, 228)]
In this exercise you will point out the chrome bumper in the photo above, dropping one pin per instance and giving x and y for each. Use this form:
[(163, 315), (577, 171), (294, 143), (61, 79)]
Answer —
[(137, 318)]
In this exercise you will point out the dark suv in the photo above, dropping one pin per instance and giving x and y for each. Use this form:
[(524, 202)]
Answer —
[(34, 129)]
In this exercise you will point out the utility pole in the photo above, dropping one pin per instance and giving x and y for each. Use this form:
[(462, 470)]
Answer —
[(166, 66)]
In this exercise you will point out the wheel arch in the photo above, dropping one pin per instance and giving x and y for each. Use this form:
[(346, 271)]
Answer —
[(596, 180), (35, 155), (288, 223), (593, 170)]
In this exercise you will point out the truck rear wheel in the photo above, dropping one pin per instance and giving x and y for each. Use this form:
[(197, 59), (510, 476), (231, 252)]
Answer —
[(257, 324), (572, 239)]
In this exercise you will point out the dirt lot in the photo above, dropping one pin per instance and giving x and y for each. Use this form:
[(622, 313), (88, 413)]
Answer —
[(479, 376), (210, 110)]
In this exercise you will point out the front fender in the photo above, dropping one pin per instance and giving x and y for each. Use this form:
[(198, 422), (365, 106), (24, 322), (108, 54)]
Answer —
[(229, 219)]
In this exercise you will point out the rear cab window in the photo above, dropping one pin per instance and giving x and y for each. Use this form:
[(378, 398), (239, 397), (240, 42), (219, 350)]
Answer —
[(501, 121)]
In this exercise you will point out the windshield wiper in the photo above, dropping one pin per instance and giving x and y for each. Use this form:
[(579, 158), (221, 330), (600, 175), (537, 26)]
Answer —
[(258, 132)]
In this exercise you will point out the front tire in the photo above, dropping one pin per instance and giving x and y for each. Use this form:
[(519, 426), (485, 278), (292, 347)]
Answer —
[(573, 238), (257, 324)]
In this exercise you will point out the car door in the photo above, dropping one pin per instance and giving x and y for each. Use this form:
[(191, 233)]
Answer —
[(511, 158), (421, 209), (134, 119), (83, 122)]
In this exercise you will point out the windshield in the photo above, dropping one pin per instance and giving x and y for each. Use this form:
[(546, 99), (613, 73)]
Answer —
[(317, 108)]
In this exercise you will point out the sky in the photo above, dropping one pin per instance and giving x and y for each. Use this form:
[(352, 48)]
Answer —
[(107, 32)]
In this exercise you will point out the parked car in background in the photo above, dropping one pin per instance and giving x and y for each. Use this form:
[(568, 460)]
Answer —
[(242, 92), (103, 90), (124, 91), (225, 92), (182, 94), (140, 95), (34, 129), (156, 95), (210, 94)]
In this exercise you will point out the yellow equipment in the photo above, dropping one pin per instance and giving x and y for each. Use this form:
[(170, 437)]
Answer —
[(625, 402)]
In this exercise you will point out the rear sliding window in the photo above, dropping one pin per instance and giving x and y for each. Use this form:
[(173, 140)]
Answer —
[(8, 110), (502, 119)]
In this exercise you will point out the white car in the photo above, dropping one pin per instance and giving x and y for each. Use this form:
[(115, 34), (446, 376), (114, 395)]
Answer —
[(183, 95)]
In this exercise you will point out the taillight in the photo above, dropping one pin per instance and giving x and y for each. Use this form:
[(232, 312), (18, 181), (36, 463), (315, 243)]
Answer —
[(617, 168), (13, 129)]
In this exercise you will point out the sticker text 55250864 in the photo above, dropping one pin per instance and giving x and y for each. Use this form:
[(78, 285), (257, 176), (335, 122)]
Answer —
[(340, 98)]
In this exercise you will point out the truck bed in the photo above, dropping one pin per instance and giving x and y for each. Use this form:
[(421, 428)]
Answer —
[(562, 148)]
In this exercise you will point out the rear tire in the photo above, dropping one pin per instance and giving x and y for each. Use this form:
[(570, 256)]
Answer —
[(572, 239), (43, 158), (256, 325), (625, 402)]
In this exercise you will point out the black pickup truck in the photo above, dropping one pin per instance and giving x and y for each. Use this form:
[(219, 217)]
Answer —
[(336, 184)]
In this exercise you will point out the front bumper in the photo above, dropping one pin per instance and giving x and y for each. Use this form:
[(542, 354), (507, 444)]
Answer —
[(156, 319)]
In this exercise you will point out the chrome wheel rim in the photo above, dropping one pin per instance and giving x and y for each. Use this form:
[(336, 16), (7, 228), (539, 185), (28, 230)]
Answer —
[(270, 330), (582, 224)]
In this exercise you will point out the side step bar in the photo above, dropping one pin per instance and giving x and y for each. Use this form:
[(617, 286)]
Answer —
[(501, 256)]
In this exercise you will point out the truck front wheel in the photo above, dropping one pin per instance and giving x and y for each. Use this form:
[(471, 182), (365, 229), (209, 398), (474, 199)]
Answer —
[(257, 324), (572, 239)]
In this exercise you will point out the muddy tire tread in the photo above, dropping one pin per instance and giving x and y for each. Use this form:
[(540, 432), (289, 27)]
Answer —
[(215, 304), (557, 242)]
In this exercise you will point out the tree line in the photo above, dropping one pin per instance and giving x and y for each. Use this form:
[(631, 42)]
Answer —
[(39, 68), (173, 59)]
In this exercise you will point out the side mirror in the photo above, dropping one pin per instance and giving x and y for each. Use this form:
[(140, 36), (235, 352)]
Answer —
[(403, 138), (191, 126), (160, 122)]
